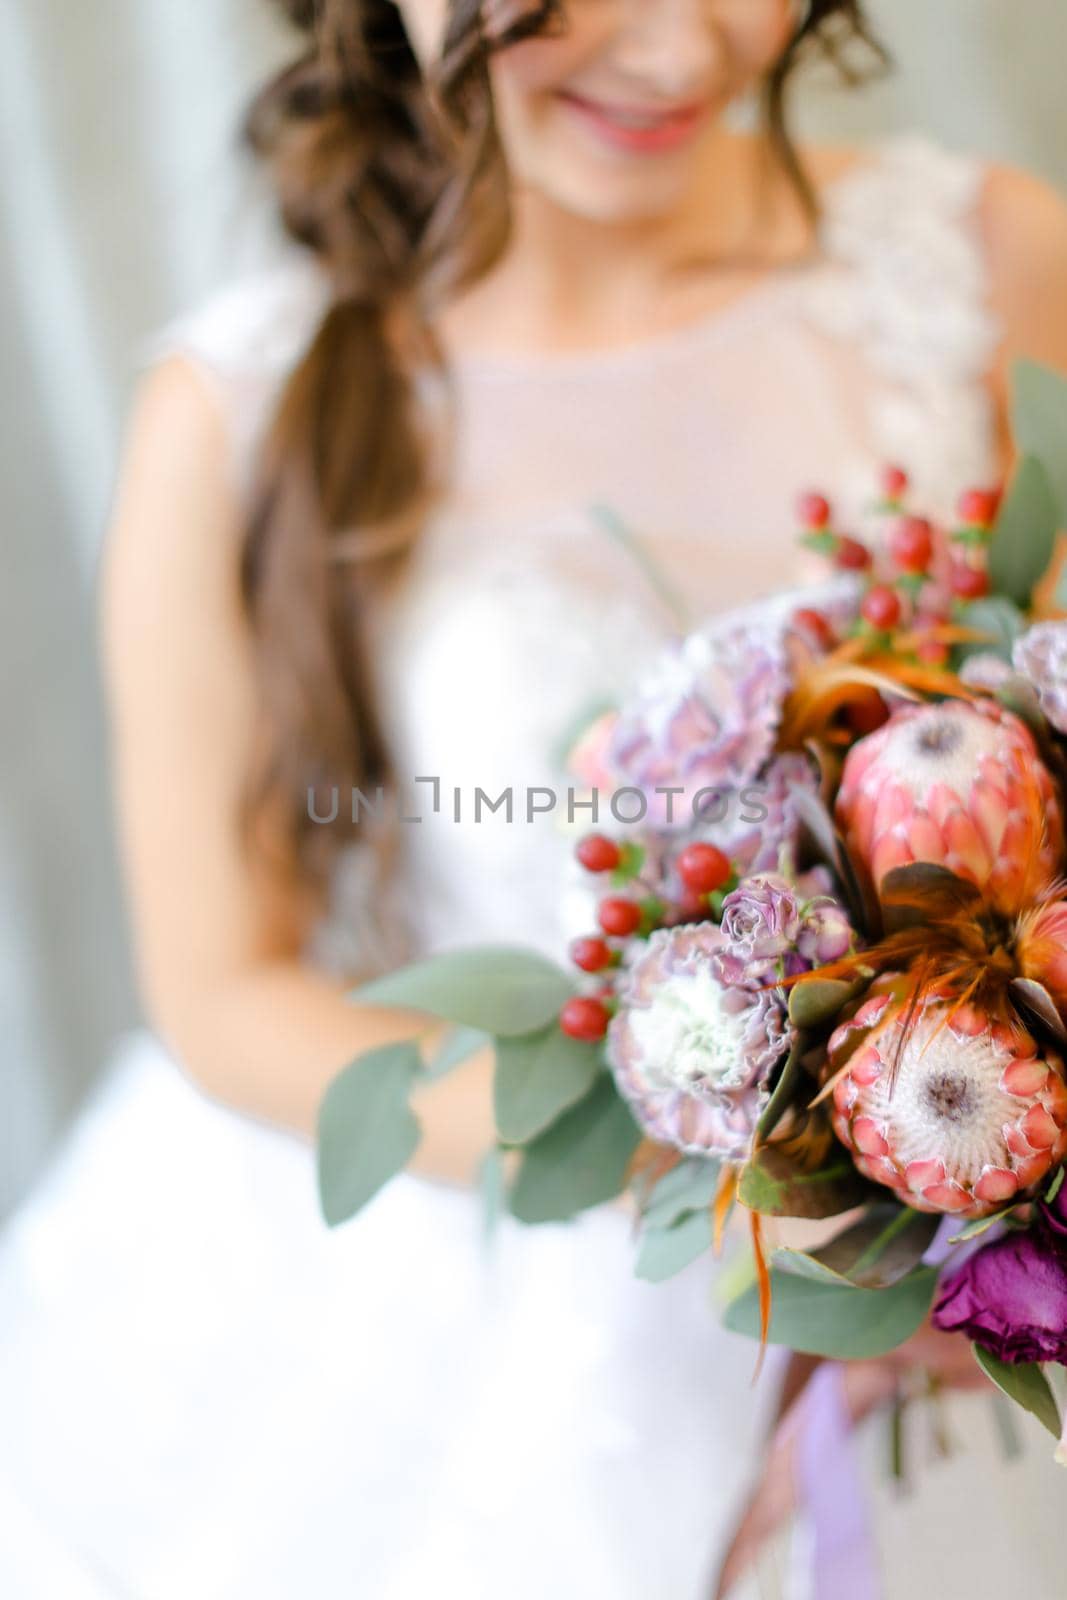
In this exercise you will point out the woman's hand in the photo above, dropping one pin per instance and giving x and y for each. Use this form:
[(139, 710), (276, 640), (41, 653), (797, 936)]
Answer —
[(942, 1358)]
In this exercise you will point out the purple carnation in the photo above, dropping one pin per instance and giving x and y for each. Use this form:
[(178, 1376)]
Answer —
[(1011, 1298), (691, 1051), (705, 719), (765, 837), (1041, 656)]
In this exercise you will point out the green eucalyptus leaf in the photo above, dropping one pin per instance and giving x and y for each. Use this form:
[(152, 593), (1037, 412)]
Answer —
[(1039, 421), (1025, 534), (833, 1320), (787, 1091), (997, 619), (817, 1001), (887, 1243), (979, 1225), (367, 1131), (580, 1161), (459, 1045), (774, 1184), (1025, 1383), (664, 1252), (539, 1076), (497, 989), (690, 1186), (493, 1190)]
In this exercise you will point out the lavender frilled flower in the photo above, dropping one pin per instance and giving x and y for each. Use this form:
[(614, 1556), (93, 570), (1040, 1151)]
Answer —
[(774, 930), (761, 923), (762, 834), (691, 1051), (1011, 1298), (985, 670), (825, 934), (1040, 655), (705, 719)]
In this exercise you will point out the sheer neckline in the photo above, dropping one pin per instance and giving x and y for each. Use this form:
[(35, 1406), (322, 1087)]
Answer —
[(721, 320)]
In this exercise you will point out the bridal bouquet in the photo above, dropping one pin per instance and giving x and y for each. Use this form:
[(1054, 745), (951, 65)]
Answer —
[(825, 970)]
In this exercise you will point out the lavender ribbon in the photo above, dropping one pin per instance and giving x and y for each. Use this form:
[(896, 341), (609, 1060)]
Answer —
[(828, 1483)]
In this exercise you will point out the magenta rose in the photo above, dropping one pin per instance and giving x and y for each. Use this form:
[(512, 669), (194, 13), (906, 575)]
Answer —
[(1011, 1298)]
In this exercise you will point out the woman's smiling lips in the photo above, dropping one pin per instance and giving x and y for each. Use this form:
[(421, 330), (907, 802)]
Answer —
[(644, 129)]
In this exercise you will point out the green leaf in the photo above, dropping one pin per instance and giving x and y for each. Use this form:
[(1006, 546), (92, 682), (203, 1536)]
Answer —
[(1000, 622), (581, 1161), (537, 1078), (1025, 534), (773, 1184), (366, 1130), (690, 1186), (1039, 421), (459, 1045), (1026, 1384), (979, 1225), (875, 1253), (818, 1001), (492, 1187), (841, 1323), (496, 988), (664, 1252), (786, 1092)]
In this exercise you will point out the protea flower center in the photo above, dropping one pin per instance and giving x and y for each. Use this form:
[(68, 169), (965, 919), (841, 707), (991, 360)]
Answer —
[(961, 786), (975, 1117)]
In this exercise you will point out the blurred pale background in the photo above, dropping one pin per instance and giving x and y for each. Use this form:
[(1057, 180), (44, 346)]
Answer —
[(122, 202)]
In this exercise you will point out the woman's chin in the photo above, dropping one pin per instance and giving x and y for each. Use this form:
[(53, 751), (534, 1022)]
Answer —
[(613, 199)]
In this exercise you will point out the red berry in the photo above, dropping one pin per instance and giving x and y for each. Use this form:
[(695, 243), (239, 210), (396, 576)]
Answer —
[(817, 625), (932, 653), (967, 582), (814, 511), (894, 483), (598, 853), (978, 507), (619, 917), (911, 544), (881, 606), (591, 954), (703, 868), (585, 1018), (851, 555)]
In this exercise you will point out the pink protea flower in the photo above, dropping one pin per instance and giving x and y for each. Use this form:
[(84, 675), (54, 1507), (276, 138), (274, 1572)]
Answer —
[(958, 785), (691, 1052), (958, 1112), (1041, 949), (1041, 656), (706, 718)]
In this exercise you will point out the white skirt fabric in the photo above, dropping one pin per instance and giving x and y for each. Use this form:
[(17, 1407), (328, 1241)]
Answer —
[(205, 1393)]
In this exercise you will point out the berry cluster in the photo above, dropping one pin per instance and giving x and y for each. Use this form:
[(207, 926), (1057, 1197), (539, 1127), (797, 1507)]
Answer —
[(926, 573), (703, 875)]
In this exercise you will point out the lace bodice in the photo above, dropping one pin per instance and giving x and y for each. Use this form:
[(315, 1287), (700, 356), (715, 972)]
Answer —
[(522, 609)]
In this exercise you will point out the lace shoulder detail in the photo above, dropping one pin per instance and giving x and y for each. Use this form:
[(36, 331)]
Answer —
[(907, 284), (246, 339)]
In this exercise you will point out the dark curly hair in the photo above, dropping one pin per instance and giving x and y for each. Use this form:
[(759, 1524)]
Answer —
[(398, 184)]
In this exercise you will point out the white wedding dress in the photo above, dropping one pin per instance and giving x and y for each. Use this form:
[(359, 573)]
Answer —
[(204, 1394)]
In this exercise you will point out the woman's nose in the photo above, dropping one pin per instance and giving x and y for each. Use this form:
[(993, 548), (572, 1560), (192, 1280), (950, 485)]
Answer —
[(670, 47)]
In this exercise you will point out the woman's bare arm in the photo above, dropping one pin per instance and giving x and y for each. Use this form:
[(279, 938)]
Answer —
[(1024, 223), (217, 939)]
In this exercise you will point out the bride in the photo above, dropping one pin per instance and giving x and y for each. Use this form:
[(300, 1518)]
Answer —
[(532, 270)]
